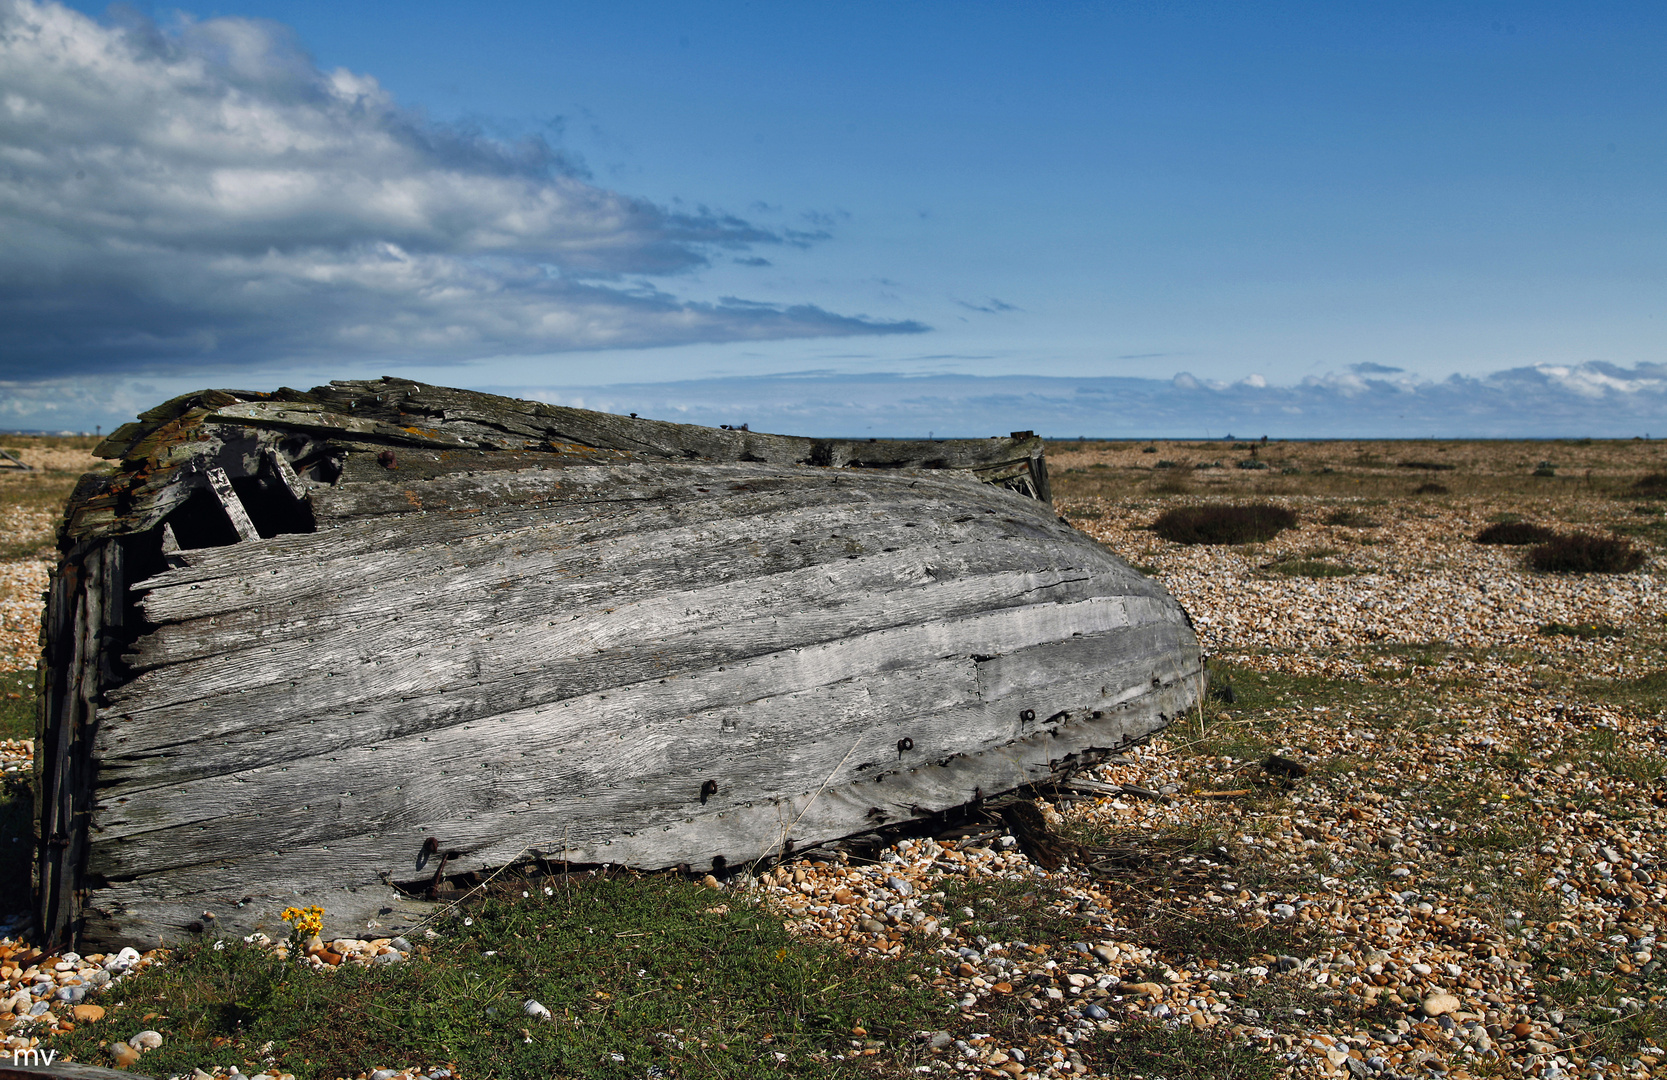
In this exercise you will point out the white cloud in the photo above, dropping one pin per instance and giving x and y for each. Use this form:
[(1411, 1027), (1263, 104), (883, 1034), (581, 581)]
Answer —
[(207, 191), (1521, 402)]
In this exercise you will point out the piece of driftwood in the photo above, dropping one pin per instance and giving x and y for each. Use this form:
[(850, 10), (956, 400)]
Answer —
[(347, 647), (29, 1065)]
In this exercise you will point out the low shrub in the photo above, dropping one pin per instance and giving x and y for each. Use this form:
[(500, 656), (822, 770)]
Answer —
[(1514, 534), (1430, 489), (1544, 468), (1148, 450), (1583, 631), (1428, 466), (1220, 524), (1652, 484), (1584, 553), (1252, 463)]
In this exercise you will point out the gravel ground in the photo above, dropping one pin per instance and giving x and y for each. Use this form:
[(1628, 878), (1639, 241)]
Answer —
[(1467, 885)]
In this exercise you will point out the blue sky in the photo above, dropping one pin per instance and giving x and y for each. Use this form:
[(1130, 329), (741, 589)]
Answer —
[(1278, 192)]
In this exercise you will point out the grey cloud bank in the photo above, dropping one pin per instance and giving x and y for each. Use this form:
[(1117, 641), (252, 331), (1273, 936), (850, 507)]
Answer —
[(206, 195)]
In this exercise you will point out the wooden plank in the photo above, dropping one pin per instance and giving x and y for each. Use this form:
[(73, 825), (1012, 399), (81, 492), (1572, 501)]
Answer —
[(285, 472), (220, 486), (78, 660), (29, 1065), (613, 742), (240, 731), (349, 877), (521, 576), (395, 683), (268, 573), (573, 497)]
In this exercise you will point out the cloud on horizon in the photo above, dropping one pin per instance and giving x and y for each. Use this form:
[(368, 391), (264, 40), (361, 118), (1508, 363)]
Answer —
[(1594, 398), (1548, 400), (206, 194)]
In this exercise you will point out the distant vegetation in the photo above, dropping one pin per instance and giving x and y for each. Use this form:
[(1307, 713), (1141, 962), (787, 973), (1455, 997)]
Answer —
[(1514, 534), (1245, 524), (1583, 553)]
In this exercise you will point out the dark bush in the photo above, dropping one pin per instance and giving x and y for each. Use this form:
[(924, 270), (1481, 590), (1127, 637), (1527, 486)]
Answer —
[(1430, 489), (1223, 524), (1251, 463), (1149, 450), (1583, 553), (1514, 534), (1428, 466)]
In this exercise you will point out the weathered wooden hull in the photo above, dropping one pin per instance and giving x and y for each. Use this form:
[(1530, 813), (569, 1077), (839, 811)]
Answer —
[(637, 662)]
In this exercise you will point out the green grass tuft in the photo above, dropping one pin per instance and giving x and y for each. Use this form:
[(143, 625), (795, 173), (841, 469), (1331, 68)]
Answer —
[(640, 974), (1583, 631), (17, 704)]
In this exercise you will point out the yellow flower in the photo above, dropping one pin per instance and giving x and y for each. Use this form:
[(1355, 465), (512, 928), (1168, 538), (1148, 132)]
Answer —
[(306, 921)]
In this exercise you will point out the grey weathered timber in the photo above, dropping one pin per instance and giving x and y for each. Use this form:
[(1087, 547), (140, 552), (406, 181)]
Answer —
[(30, 1068), (308, 648)]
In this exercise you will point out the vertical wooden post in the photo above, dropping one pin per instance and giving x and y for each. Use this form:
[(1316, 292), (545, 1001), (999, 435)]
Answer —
[(84, 607)]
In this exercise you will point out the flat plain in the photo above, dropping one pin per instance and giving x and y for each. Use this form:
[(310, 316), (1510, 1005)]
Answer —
[(1417, 829)]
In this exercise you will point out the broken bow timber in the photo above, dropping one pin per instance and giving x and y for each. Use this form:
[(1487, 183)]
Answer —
[(315, 648)]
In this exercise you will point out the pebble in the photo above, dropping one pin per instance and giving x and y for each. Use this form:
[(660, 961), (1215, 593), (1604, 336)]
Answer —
[(123, 1054), (146, 1040), (1439, 1004), (535, 1010)]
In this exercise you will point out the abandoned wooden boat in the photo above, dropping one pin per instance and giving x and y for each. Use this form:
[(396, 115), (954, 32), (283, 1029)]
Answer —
[(324, 647)]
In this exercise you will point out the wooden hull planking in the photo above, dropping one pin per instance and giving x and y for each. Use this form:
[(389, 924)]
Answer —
[(588, 654)]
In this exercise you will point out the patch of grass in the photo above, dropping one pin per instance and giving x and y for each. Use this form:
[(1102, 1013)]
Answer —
[(1211, 935), (1584, 553), (1311, 568), (1147, 1048), (1007, 910), (1653, 529), (1622, 1036), (1514, 533), (1646, 694), (1430, 489), (1427, 466), (1352, 518), (1494, 834), (1583, 631), (17, 704), (1652, 485), (643, 975), (1224, 524), (1544, 468)]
